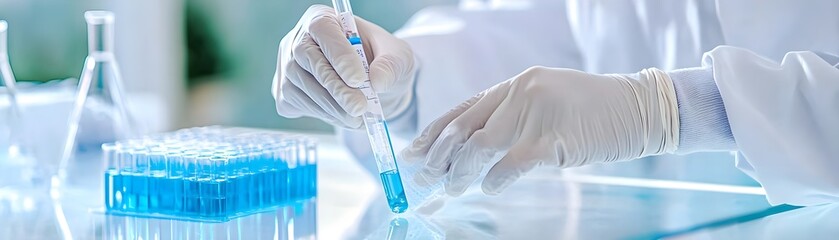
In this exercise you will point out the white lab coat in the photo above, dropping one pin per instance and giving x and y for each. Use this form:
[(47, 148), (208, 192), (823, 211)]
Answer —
[(783, 111)]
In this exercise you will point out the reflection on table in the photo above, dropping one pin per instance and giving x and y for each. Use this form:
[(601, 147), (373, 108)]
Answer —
[(816, 222), (295, 221), (693, 197), (35, 214), (546, 206)]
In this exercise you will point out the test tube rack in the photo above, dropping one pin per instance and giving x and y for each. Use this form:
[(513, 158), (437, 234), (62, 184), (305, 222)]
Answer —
[(209, 174)]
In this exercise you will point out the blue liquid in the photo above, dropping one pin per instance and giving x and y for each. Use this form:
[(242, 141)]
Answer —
[(164, 193), (141, 191), (312, 182), (252, 189), (293, 190), (211, 197), (112, 186), (192, 195), (280, 178), (241, 192), (394, 192), (214, 197), (302, 177), (158, 189), (216, 188), (128, 192), (355, 40), (177, 194), (268, 187)]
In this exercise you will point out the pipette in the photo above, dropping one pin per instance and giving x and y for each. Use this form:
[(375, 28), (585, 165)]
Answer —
[(374, 119)]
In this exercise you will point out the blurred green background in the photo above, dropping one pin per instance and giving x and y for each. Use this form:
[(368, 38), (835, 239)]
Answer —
[(209, 61)]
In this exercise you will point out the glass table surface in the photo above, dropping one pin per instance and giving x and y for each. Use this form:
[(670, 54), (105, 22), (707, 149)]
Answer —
[(696, 196)]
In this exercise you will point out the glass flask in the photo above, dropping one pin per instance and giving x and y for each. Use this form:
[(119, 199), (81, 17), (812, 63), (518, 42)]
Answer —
[(7, 79), (14, 159), (99, 114), (8, 91)]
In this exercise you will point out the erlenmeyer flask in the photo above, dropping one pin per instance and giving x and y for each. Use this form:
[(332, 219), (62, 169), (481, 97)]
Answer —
[(11, 111), (7, 79), (9, 93), (99, 114), (14, 156)]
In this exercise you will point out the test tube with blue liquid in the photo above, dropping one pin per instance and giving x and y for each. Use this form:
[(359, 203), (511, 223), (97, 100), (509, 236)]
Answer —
[(374, 120)]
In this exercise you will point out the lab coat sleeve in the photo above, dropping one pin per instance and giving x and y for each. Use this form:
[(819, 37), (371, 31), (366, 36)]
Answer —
[(785, 119)]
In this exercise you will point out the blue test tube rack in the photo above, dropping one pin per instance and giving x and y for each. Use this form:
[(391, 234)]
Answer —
[(209, 174)]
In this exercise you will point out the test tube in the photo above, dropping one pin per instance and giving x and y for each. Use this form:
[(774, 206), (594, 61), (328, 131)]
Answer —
[(281, 174), (293, 170), (302, 173), (266, 175), (127, 177), (311, 158), (242, 189), (109, 152), (141, 176), (192, 191), (222, 173), (374, 120), (209, 189), (174, 180)]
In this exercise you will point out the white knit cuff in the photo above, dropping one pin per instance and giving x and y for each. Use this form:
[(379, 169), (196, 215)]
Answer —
[(703, 122)]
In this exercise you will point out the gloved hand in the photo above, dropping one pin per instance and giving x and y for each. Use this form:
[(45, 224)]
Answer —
[(552, 117), (318, 69)]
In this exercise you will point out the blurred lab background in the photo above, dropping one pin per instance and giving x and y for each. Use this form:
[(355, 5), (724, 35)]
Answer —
[(192, 63), (195, 62)]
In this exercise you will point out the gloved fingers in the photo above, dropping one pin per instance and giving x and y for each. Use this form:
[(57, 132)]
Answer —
[(384, 71), (423, 180), (469, 162), (418, 149), (497, 134), (320, 96), (522, 157), (394, 59), (293, 102), (440, 155), (275, 87), (283, 102), (326, 31), (310, 57)]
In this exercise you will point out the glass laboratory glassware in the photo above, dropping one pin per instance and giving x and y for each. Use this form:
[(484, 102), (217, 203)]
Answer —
[(7, 88), (14, 156), (99, 114), (374, 120), (208, 174)]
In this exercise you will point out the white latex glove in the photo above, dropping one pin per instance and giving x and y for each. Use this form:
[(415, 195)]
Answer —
[(552, 117), (318, 68)]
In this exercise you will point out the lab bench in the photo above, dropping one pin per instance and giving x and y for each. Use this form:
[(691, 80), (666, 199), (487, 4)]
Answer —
[(700, 196)]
